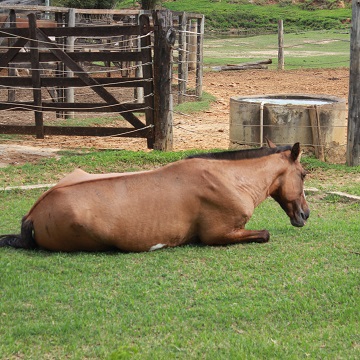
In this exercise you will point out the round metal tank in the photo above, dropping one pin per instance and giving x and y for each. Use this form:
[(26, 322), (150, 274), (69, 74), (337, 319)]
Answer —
[(289, 118)]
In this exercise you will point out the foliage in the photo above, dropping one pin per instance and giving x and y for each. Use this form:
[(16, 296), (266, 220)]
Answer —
[(226, 15), (148, 4), (321, 4), (237, 15)]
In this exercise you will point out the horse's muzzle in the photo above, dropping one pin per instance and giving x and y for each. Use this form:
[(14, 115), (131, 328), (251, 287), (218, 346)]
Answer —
[(300, 218)]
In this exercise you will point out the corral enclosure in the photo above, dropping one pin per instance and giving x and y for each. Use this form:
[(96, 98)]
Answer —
[(127, 63), (211, 128)]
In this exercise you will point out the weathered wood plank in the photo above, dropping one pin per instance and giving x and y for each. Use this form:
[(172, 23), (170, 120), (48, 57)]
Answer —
[(88, 11), (147, 71), (183, 65), (83, 56), (83, 31), (88, 80), (281, 60), (66, 9), (243, 66), (76, 107), (73, 82), (77, 131), (316, 133), (70, 42), (199, 56), (164, 39), (8, 56), (11, 70), (353, 134), (35, 75)]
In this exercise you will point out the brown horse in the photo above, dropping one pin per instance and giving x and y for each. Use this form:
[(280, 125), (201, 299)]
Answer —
[(207, 198)]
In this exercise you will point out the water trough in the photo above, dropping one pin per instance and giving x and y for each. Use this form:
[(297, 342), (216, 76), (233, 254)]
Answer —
[(316, 121)]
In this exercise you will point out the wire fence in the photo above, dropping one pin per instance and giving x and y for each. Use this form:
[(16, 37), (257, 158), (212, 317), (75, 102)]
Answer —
[(214, 48), (329, 49), (126, 70), (321, 49)]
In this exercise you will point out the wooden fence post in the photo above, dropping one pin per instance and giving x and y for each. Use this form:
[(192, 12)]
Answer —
[(199, 56), (11, 69), (182, 60), (147, 73), (139, 91), (164, 39), (36, 78), (353, 132), (316, 133), (192, 45), (60, 68), (280, 45), (70, 43)]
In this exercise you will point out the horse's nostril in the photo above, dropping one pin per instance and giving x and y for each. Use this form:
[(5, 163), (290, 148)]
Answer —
[(304, 215)]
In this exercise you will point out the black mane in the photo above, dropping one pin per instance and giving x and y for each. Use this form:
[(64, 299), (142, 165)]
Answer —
[(241, 154)]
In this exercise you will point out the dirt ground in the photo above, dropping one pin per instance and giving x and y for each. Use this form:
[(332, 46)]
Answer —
[(205, 130)]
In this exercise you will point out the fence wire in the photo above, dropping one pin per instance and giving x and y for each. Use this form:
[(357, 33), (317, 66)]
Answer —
[(189, 79)]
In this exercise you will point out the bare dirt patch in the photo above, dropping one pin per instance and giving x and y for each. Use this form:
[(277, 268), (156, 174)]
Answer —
[(205, 130)]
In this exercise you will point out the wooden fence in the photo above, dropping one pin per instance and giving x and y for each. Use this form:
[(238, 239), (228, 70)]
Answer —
[(51, 45)]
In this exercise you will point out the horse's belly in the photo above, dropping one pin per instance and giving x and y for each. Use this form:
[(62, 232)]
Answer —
[(80, 237), (100, 218), (61, 229)]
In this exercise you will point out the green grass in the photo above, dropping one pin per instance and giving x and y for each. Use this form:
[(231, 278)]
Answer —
[(190, 107), (240, 15), (52, 170), (312, 49), (5, 137), (102, 121), (332, 177), (260, 17), (294, 297)]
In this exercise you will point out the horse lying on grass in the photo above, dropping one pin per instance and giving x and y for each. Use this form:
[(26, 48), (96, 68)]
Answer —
[(207, 198)]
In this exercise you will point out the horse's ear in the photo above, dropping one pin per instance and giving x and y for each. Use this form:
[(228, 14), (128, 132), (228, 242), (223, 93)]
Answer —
[(295, 152), (270, 143)]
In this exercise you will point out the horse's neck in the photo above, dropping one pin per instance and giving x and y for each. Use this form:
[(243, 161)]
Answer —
[(257, 177)]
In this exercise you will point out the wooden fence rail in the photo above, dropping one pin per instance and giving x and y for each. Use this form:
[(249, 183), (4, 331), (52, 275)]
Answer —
[(47, 44), (71, 60)]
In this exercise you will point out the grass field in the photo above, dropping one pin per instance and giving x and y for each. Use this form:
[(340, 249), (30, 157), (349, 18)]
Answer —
[(312, 49), (294, 297), (260, 15)]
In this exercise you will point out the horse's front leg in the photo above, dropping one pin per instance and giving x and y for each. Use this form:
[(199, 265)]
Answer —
[(239, 236)]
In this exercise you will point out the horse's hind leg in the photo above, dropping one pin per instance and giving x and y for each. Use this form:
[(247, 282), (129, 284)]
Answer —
[(239, 236)]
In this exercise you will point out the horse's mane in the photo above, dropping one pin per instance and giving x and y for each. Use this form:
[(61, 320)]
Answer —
[(241, 154)]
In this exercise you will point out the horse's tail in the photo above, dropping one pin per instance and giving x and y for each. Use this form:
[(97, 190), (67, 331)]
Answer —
[(25, 240)]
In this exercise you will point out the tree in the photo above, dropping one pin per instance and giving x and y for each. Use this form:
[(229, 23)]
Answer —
[(148, 4)]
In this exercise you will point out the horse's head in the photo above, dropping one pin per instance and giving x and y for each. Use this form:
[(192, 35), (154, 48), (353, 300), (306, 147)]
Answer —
[(288, 189)]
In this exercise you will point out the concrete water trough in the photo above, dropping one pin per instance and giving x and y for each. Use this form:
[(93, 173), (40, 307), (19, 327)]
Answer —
[(316, 121)]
